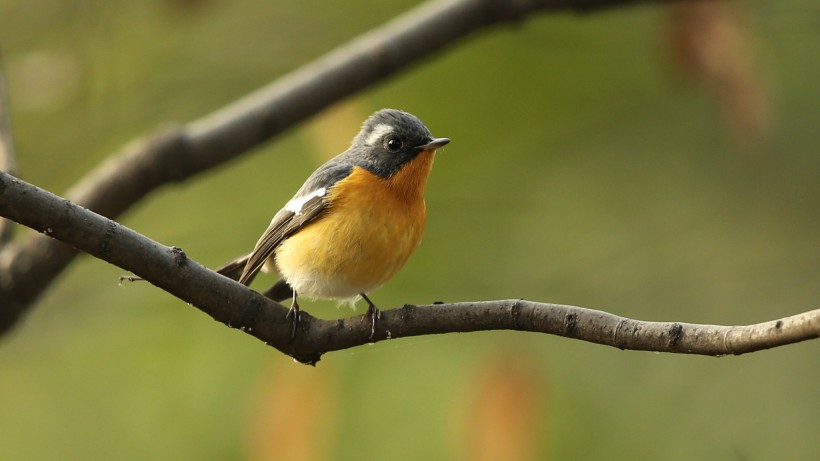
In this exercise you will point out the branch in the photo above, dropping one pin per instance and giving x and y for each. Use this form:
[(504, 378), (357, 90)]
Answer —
[(240, 307), (177, 153)]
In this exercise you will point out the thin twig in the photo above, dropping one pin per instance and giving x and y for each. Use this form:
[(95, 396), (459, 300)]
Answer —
[(240, 307)]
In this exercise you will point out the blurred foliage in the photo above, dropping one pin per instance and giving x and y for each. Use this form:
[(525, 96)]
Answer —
[(600, 160)]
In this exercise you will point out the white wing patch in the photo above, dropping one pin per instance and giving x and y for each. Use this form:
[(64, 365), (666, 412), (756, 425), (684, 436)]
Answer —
[(378, 131), (296, 203)]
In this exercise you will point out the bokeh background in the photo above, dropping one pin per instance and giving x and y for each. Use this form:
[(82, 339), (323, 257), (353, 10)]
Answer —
[(658, 162)]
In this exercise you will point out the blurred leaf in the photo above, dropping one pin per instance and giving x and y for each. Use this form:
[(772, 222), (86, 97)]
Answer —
[(293, 412), (507, 414), (713, 46)]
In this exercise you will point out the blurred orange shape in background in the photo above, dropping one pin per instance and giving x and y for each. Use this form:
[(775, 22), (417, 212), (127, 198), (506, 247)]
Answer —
[(507, 414), (712, 45), (293, 413)]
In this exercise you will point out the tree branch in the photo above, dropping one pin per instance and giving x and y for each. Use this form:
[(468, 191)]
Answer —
[(240, 307), (28, 266)]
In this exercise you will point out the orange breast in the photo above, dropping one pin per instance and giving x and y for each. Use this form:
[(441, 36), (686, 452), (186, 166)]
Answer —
[(372, 227)]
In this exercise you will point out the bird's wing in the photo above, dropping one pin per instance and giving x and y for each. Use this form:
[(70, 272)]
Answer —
[(285, 223), (307, 205)]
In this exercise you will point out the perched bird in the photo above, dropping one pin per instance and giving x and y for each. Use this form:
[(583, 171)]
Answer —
[(355, 221)]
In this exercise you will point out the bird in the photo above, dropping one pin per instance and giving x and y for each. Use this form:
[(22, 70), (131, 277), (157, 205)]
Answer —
[(354, 222)]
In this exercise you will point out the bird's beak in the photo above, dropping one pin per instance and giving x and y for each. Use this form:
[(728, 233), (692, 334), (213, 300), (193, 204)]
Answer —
[(434, 144)]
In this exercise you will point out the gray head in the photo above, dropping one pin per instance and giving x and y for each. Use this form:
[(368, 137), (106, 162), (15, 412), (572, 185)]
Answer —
[(388, 140)]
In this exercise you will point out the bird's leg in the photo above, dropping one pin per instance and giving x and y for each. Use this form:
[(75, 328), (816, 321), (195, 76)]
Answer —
[(295, 313), (279, 292), (373, 313)]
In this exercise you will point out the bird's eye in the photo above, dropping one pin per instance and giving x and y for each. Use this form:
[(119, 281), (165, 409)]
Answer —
[(393, 144)]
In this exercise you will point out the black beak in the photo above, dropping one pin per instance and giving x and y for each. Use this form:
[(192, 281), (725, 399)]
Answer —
[(434, 144)]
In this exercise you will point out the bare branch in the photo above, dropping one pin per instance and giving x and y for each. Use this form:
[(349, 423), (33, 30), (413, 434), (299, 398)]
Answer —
[(239, 307), (7, 162), (28, 266)]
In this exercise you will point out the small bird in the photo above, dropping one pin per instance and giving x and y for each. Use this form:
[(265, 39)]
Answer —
[(355, 221)]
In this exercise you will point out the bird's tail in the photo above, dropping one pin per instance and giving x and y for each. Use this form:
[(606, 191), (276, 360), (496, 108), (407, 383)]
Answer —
[(279, 292), (233, 270)]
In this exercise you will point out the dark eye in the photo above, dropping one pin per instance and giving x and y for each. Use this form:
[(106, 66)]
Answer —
[(393, 144)]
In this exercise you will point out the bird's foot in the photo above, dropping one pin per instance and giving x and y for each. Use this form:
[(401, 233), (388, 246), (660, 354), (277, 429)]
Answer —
[(296, 313), (373, 313)]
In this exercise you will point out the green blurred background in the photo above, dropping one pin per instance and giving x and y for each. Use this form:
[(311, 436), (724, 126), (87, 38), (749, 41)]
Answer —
[(659, 163)]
